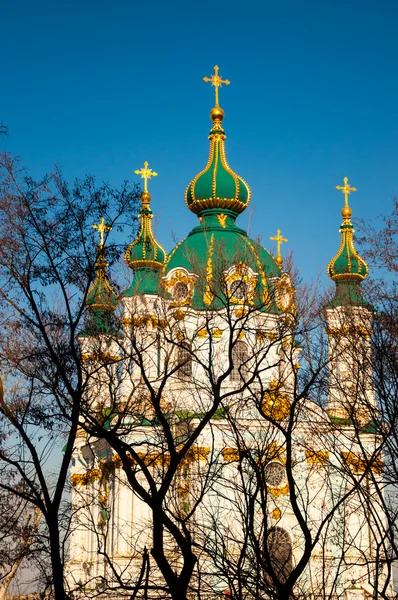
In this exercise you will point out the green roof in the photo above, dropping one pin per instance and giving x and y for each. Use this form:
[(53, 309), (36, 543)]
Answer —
[(212, 248)]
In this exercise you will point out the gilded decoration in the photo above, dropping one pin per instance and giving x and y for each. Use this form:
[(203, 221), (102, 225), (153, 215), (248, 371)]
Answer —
[(240, 313), (179, 315), (266, 298), (360, 465), (278, 491), (317, 456), (276, 514), (222, 219), (103, 357), (208, 296), (202, 333), (216, 333), (275, 404), (230, 454), (179, 276), (241, 273), (286, 294)]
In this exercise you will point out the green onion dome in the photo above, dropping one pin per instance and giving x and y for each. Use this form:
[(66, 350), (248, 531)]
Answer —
[(145, 255), (217, 186), (101, 300), (347, 269), (101, 296)]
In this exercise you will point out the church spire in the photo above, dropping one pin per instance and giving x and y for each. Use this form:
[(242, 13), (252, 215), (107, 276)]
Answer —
[(217, 186), (145, 255), (101, 300), (347, 269)]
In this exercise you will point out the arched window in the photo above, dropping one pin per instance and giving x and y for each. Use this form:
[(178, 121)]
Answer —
[(184, 360), (240, 357), (280, 552)]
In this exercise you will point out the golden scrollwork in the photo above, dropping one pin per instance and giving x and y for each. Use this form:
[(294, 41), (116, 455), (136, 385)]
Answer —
[(285, 294), (222, 219), (202, 333), (208, 295), (359, 464), (275, 404), (241, 272), (180, 276), (276, 514), (317, 456), (216, 333), (230, 454), (279, 491)]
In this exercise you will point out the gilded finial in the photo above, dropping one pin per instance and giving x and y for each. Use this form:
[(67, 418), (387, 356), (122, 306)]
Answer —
[(346, 189), (145, 175), (279, 240), (102, 228)]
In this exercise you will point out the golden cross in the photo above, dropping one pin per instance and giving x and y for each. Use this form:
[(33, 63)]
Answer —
[(279, 239), (346, 189), (145, 175), (216, 81), (101, 230)]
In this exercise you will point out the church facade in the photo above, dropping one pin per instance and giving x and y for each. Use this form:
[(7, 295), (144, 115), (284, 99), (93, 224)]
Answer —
[(215, 395)]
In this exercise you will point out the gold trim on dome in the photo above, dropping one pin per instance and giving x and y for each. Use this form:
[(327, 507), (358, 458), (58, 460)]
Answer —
[(237, 272), (266, 297), (347, 243), (217, 152), (222, 219), (144, 235), (208, 295), (168, 258)]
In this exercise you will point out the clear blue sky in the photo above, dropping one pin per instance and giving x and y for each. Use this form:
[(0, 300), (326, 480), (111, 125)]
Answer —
[(100, 86)]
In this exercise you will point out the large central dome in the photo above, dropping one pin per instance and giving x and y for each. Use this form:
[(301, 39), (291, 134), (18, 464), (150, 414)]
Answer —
[(217, 261)]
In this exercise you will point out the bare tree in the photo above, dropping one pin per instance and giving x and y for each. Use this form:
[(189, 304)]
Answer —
[(47, 260)]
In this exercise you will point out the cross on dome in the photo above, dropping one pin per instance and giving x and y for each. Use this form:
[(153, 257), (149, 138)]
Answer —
[(216, 81), (102, 228), (279, 240), (145, 175), (346, 189)]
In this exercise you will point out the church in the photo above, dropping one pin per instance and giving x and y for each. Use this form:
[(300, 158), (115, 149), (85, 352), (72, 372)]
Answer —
[(229, 445)]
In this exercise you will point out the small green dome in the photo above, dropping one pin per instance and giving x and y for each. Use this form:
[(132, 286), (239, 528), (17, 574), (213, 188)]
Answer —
[(347, 265), (347, 269), (217, 186), (145, 251), (101, 301), (101, 296), (216, 252), (145, 255)]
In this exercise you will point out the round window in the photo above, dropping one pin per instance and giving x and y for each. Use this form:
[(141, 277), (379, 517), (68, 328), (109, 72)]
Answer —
[(275, 474), (180, 291), (238, 289)]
